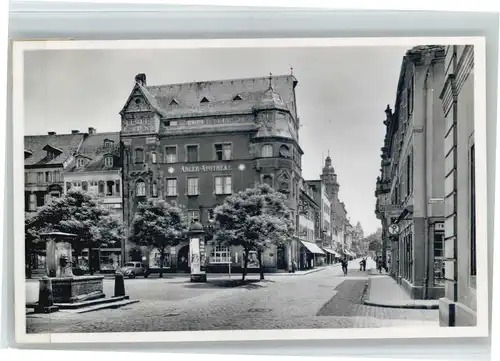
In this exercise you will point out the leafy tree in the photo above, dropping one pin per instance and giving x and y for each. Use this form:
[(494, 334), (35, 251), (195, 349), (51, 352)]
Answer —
[(79, 213), (254, 219), (375, 246), (158, 224), (32, 242)]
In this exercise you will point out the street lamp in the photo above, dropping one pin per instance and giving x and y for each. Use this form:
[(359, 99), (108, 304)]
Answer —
[(241, 168)]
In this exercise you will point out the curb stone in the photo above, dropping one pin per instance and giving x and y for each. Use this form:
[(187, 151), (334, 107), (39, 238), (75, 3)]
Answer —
[(417, 306), (401, 306)]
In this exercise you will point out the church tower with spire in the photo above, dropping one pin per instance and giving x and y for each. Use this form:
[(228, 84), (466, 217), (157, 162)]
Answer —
[(329, 178)]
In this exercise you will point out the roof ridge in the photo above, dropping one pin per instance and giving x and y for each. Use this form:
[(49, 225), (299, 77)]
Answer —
[(221, 80)]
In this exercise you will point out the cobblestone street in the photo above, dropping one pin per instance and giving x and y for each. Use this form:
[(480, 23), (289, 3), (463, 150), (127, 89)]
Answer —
[(324, 299)]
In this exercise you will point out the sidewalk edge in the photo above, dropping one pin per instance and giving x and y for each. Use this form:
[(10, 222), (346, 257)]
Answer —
[(405, 306)]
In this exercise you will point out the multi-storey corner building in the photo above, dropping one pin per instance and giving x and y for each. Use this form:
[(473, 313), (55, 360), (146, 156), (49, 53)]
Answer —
[(458, 306), (96, 168), (196, 143), (45, 159), (410, 189)]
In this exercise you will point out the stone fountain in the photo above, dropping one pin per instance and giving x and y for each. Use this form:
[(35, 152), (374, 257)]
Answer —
[(60, 288)]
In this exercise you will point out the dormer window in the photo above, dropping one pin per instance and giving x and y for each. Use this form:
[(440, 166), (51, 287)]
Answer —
[(108, 161), (237, 97), (108, 143), (80, 162), (174, 102), (204, 100), (27, 154), (52, 152)]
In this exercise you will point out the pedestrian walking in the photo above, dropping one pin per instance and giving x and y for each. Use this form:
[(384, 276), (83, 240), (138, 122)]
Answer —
[(380, 266), (344, 266)]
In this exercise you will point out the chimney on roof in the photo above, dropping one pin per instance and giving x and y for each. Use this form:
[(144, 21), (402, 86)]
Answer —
[(141, 79), (92, 131), (75, 132), (52, 133)]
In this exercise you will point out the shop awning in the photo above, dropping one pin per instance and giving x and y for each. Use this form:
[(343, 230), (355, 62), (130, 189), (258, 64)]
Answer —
[(349, 253), (312, 247), (331, 251)]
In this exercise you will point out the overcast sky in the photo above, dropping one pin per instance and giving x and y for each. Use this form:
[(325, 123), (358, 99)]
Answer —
[(341, 98)]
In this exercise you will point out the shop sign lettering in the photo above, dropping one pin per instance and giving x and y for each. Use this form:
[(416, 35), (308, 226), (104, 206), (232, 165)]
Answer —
[(205, 168)]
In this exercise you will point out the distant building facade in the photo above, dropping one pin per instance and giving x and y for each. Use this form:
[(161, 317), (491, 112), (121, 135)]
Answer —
[(410, 190), (45, 159), (196, 143), (96, 169), (309, 226), (458, 306)]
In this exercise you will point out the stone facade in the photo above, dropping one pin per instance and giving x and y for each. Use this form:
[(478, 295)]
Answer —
[(458, 306), (410, 190), (309, 225), (196, 143)]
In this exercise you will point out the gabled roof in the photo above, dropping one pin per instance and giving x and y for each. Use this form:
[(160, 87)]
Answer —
[(150, 99), (66, 144), (93, 148), (79, 155), (220, 93)]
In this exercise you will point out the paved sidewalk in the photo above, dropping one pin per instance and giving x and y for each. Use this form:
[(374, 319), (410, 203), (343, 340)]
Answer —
[(305, 272), (384, 291)]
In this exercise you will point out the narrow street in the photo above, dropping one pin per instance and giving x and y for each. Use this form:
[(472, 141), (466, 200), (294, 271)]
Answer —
[(323, 299)]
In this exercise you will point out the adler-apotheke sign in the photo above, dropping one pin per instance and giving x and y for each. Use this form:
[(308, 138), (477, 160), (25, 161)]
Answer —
[(205, 168)]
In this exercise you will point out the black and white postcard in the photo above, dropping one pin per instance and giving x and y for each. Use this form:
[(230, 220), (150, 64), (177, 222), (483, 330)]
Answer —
[(257, 189)]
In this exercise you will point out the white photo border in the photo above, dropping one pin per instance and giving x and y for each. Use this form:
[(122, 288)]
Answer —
[(480, 330)]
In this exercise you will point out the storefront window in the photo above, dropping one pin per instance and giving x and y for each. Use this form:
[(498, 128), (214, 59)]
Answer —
[(110, 260), (220, 254), (155, 260)]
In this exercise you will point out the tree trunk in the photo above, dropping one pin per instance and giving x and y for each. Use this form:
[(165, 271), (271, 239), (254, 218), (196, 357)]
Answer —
[(259, 257), (91, 268), (162, 257), (245, 264), (28, 263)]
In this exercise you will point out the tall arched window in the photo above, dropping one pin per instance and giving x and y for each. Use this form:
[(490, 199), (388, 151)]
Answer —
[(140, 188), (153, 157), (267, 150), (139, 155)]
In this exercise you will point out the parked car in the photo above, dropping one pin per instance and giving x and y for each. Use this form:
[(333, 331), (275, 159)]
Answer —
[(134, 269)]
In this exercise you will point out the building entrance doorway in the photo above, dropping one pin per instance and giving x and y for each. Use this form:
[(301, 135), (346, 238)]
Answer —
[(183, 259), (281, 257)]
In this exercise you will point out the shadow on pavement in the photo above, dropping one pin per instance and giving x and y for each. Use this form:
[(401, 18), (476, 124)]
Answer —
[(247, 284), (345, 302)]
